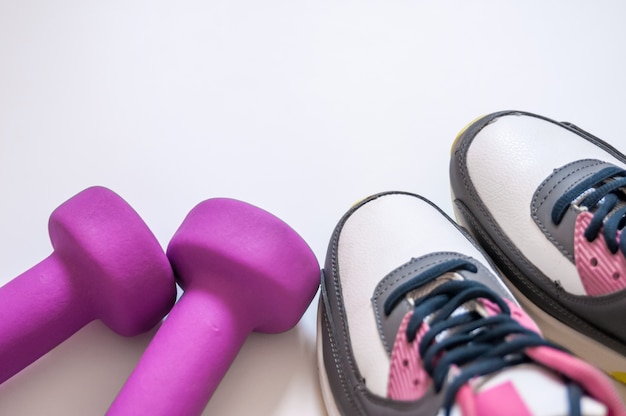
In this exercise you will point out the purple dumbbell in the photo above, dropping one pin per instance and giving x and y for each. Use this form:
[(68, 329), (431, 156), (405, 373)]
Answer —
[(106, 265), (242, 270)]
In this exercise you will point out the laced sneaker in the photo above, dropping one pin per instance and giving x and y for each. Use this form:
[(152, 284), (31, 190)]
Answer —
[(414, 320), (546, 201)]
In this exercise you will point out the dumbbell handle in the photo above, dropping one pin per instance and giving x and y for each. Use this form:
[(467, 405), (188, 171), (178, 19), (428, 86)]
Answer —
[(39, 309), (188, 357)]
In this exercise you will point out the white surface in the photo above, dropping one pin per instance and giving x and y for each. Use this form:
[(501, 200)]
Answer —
[(301, 108)]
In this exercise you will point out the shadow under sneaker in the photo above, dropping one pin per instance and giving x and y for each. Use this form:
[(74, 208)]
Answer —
[(546, 201), (414, 320)]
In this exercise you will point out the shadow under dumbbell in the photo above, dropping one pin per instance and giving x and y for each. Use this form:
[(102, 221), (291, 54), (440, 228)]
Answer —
[(269, 374), (81, 376)]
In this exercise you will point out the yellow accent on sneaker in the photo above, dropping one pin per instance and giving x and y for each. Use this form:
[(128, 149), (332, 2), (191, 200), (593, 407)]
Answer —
[(458, 136), (619, 376)]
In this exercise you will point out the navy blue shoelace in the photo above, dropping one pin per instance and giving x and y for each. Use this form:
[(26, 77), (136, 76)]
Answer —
[(475, 344), (605, 199)]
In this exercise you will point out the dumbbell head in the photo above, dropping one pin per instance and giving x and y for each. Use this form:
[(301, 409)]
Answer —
[(114, 261), (242, 270), (249, 257)]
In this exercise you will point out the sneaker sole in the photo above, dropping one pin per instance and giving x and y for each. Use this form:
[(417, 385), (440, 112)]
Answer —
[(327, 395)]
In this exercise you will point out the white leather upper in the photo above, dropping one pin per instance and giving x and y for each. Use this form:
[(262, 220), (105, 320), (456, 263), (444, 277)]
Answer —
[(384, 234), (507, 161), (379, 237)]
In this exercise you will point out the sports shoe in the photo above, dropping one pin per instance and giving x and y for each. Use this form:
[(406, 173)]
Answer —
[(414, 320), (546, 201)]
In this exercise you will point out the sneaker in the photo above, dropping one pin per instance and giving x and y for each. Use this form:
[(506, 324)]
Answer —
[(414, 320), (546, 201)]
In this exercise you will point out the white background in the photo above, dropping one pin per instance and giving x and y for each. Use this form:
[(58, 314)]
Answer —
[(299, 107)]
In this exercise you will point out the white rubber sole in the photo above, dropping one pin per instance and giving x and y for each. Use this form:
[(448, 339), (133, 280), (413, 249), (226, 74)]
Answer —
[(327, 394)]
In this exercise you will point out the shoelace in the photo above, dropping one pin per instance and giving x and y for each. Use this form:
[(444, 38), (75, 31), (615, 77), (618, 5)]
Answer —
[(606, 198), (476, 345)]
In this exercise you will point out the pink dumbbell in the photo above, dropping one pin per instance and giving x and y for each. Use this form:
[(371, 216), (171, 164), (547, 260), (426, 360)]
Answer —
[(106, 265), (242, 270)]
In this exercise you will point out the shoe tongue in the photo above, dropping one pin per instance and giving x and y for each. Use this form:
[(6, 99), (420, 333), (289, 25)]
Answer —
[(531, 387), (559, 182), (621, 202), (388, 325), (526, 389)]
